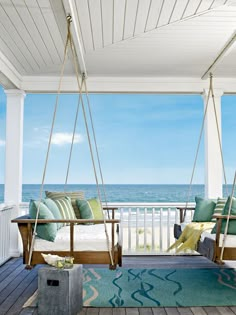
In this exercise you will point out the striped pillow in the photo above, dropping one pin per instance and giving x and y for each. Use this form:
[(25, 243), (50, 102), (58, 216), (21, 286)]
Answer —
[(66, 209), (73, 196), (219, 207)]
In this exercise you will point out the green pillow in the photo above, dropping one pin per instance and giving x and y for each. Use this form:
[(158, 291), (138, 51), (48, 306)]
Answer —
[(84, 209), (46, 231), (90, 209), (73, 195), (52, 206), (219, 207), (204, 210), (232, 223), (66, 209)]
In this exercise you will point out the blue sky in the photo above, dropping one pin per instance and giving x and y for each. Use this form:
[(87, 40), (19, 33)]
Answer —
[(148, 139)]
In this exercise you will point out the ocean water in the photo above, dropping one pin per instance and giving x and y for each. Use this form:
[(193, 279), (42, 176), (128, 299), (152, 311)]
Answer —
[(122, 193)]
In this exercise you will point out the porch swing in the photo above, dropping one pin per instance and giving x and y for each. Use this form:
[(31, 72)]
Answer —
[(216, 237), (90, 240)]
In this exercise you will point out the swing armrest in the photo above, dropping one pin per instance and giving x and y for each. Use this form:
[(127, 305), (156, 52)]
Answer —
[(219, 218), (181, 212), (112, 209), (26, 219)]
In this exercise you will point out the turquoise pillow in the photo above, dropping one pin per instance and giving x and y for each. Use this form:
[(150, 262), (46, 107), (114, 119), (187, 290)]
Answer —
[(46, 231), (84, 209), (204, 210), (232, 223), (90, 209), (54, 209)]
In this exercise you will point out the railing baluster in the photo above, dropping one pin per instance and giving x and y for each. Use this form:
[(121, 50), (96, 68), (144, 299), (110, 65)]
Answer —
[(129, 230), (168, 227), (161, 230), (137, 229), (153, 229), (145, 230)]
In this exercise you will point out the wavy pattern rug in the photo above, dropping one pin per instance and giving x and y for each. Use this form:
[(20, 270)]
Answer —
[(159, 287)]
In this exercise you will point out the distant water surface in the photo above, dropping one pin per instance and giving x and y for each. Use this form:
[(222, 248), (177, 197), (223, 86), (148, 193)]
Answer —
[(122, 193)]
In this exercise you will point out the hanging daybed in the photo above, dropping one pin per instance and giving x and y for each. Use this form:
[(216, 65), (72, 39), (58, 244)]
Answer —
[(214, 246), (212, 231), (53, 226), (83, 239)]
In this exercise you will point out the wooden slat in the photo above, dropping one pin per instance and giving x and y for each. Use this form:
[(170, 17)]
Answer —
[(166, 13), (119, 9), (145, 311), (9, 275), (129, 23), (153, 16), (142, 15), (132, 311), (184, 311), (96, 23), (29, 291), (12, 263), (36, 27), (85, 26), (16, 294), (21, 34), (225, 310), (211, 310), (159, 311), (171, 311), (119, 311), (179, 10), (198, 311)]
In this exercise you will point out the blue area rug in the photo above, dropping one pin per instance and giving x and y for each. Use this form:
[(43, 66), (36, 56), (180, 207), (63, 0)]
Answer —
[(159, 287)]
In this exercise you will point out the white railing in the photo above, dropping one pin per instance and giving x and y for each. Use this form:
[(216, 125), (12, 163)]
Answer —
[(145, 228), (5, 226)]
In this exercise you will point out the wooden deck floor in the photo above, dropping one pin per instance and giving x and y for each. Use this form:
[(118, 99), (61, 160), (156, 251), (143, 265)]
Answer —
[(18, 284)]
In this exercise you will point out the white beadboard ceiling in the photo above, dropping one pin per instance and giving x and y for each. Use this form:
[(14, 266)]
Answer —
[(119, 38)]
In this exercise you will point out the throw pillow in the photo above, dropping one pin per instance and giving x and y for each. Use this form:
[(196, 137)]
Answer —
[(204, 210), (54, 209), (232, 223), (73, 195), (90, 209), (46, 231), (219, 207), (66, 209), (85, 210)]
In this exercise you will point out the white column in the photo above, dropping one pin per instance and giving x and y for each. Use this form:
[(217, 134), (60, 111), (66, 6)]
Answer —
[(13, 158), (213, 160)]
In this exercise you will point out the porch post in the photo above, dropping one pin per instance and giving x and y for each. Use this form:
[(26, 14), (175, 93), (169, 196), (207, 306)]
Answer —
[(13, 159), (213, 161)]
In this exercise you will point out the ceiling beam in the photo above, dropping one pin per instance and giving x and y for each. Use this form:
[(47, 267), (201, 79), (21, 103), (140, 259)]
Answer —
[(228, 45), (9, 76), (70, 9)]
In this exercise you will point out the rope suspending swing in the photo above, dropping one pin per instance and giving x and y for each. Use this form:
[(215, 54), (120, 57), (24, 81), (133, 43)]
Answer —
[(69, 43), (209, 94)]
